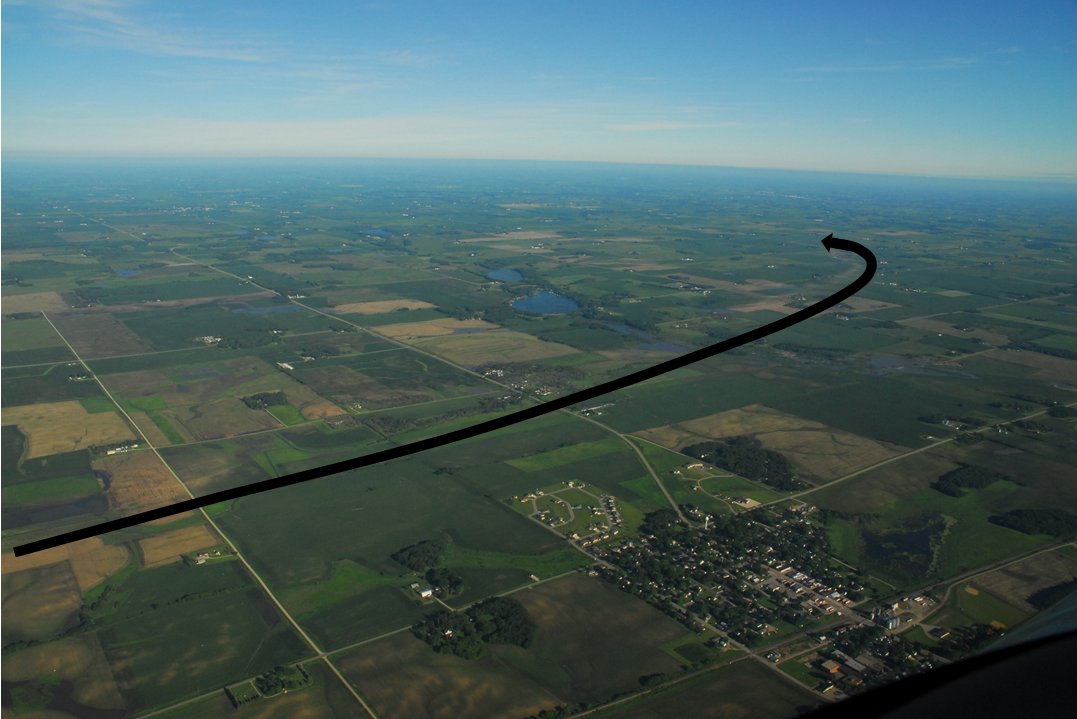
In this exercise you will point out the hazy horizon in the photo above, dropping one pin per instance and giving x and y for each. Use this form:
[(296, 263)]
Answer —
[(917, 90)]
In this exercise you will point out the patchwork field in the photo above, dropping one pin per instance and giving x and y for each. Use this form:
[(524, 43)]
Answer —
[(197, 402), (92, 561), (821, 453), (55, 427)]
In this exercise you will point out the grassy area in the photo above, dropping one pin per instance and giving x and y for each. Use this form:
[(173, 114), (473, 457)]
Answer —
[(50, 490), (968, 605), (287, 414), (567, 455)]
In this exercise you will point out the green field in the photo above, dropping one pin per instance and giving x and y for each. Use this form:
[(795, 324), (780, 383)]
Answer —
[(50, 490)]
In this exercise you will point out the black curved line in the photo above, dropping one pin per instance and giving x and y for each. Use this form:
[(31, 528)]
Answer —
[(475, 430)]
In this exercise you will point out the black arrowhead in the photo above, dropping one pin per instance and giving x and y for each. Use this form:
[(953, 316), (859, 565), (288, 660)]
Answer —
[(827, 241)]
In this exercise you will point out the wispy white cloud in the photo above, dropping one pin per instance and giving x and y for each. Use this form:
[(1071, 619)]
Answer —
[(942, 63), (408, 58), (119, 24), (660, 125)]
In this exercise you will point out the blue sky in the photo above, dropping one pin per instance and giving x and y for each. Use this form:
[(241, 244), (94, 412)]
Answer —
[(979, 89)]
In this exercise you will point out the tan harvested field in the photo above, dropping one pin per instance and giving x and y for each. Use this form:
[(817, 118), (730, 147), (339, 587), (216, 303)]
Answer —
[(520, 235), (405, 679), (320, 409), (945, 328), (433, 328), (522, 249), (55, 427), (37, 603), (78, 660), (774, 304), (1048, 367), (139, 480), (822, 453), (1017, 582), (472, 350), (746, 287), (171, 546), (377, 307), (32, 302), (92, 561), (99, 335), (647, 266)]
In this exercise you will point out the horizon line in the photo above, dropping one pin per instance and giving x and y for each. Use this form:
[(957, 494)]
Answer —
[(1055, 178)]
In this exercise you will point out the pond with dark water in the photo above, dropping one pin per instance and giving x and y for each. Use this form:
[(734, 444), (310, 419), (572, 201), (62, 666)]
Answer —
[(504, 275)]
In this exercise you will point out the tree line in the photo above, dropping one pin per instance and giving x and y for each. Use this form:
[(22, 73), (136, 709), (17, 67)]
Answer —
[(745, 456)]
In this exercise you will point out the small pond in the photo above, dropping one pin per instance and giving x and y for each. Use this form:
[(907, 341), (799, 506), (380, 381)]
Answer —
[(504, 275)]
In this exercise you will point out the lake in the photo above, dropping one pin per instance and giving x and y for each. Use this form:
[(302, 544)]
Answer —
[(545, 302)]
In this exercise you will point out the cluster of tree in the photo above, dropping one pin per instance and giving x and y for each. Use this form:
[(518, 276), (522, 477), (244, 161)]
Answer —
[(265, 399), (1061, 410), (1055, 522), (498, 620), (318, 351), (1042, 349), (747, 457), (939, 418), (965, 477), (965, 640), (249, 340), (421, 555), (279, 679), (445, 580), (1046, 401), (1050, 596)]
